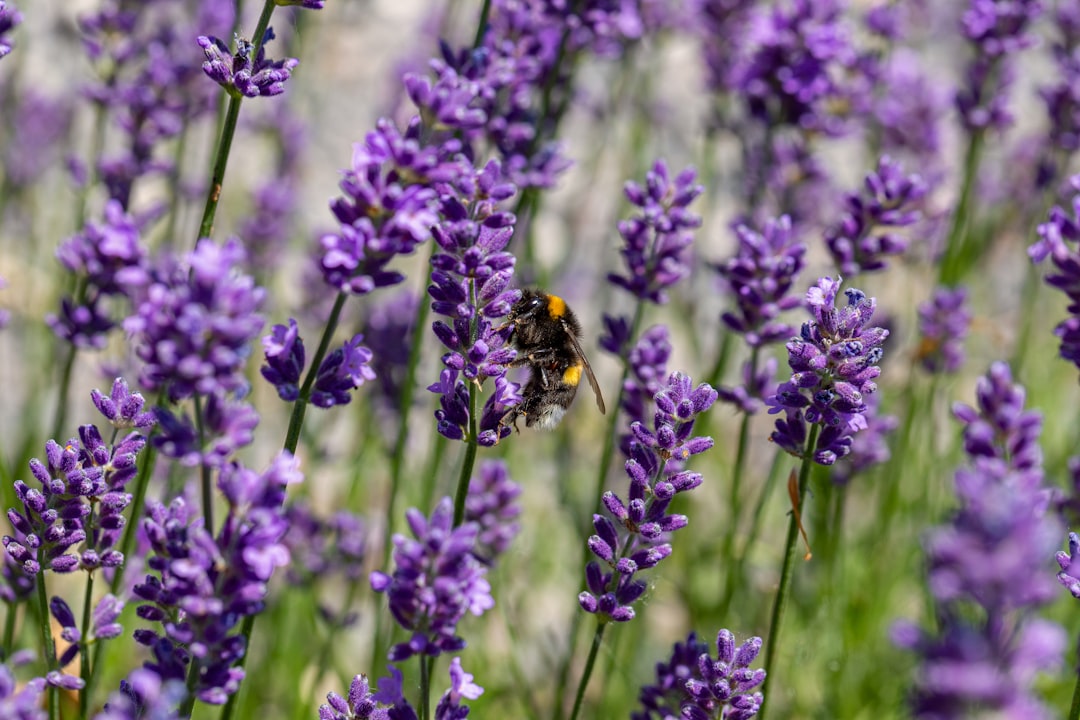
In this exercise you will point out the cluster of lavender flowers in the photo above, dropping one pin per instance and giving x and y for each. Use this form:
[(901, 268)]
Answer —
[(492, 503), (944, 320), (9, 18), (866, 235), (437, 580), (247, 72), (1053, 234), (694, 686), (657, 457), (996, 31), (343, 369), (389, 702), (203, 584), (1003, 522), (834, 362), (75, 520)]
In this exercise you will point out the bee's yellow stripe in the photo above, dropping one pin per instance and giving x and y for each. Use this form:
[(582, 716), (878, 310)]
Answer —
[(556, 306), (572, 376)]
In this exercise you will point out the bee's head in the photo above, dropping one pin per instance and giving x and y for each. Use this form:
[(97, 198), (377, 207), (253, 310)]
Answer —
[(528, 306)]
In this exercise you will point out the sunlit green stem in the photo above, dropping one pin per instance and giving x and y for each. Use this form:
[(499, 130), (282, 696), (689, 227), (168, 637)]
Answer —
[(787, 573), (590, 662), (48, 649), (85, 668)]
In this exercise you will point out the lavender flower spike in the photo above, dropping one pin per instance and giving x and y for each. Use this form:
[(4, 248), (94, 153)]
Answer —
[(239, 74), (943, 324), (865, 235), (436, 581), (1058, 239), (834, 363), (694, 686)]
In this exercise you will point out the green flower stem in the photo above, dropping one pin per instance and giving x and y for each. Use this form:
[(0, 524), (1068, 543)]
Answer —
[(48, 649), (598, 636), (426, 664), (234, 700), (956, 250), (296, 420), (735, 494), (1074, 709), (472, 441), (206, 481), (85, 668), (787, 573), (228, 130), (192, 682), (9, 631), (481, 25), (62, 392), (179, 153)]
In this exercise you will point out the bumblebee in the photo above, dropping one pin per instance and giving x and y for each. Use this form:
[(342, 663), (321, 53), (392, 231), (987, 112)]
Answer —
[(546, 334)]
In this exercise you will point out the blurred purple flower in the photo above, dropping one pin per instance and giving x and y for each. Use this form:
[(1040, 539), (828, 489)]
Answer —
[(104, 627), (194, 325), (389, 330), (1053, 234), (722, 25), (492, 504), (869, 447), (436, 580), (989, 562), (21, 701), (834, 363), (344, 369), (694, 686), (9, 18), (996, 30), (145, 695), (909, 111), (757, 385), (865, 235), (944, 320), (239, 73), (759, 277), (39, 126), (204, 585), (795, 72), (655, 469), (227, 426), (110, 260)]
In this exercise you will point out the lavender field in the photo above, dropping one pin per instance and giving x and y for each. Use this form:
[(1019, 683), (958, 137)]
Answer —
[(288, 289)]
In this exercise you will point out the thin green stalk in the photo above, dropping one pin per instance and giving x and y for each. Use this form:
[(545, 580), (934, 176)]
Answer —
[(787, 573), (759, 508), (192, 682), (735, 494), (85, 669), (48, 649), (426, 663), (481, 25), (228, 130), (472, 442), (60, 416), (9, 631), (206, 481), (179, 153), (598, 636), (1074, 709), (950, 267), (296, 420)]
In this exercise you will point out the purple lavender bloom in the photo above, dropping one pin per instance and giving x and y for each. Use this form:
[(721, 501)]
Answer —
[(388, 208), (461, 687), (648, 372), (389, 332), (363, 704), (759, 278), (227, 426), (470, 285), (9, 18), (1053, 235), (284, 352), (1065, 561), (21, 701), (795, 74), (436, 581), (306, 4), (866, 235), (1063, 97), (104, 627), (910, 109), (75, 520), (834, 366), (194, 325), (324, 546), (656, 241), (997, 30), (721, 24), (123, 408), (239, 73), (492, 503), (204, 585), (344, 369), (988, 562), (110, 260), (869, 447), (757, 384), (694, 686), (655, 469), (944, 320), (1000, 429), (40, 125), (145, 695)]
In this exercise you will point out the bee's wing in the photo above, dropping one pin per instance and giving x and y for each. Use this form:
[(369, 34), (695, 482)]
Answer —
[(589, 373)]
